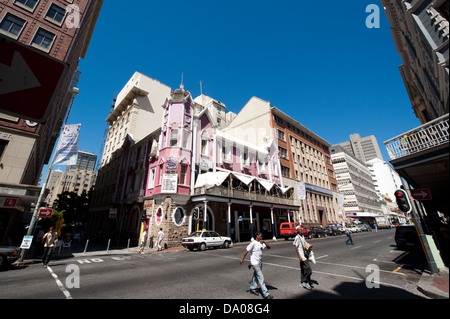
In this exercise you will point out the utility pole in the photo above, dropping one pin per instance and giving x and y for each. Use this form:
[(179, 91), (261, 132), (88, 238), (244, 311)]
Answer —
[(425, 240)]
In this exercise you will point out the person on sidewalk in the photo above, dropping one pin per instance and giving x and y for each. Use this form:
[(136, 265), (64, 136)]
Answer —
[(49, 245), (255, 248), (143, 242), (159, 239), (348, 232), (302, 247)]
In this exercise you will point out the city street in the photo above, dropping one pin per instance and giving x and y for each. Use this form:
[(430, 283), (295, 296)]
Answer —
[(340, 272)]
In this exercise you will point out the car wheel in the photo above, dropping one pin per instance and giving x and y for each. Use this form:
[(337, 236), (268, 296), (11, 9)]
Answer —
[(226, 244), (202, 247)]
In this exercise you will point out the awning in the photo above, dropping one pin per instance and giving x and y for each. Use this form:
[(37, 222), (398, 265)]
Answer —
[(266, 184), (211, 179), (284, 189), (244, 179)]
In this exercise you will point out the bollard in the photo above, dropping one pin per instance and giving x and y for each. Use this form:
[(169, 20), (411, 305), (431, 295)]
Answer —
[(85, 247), (107, 249)]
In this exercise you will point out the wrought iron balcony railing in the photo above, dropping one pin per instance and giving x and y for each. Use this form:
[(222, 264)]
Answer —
[(427, 136)]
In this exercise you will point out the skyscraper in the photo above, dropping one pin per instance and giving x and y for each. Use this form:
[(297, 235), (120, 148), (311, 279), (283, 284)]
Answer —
[(363, 148)]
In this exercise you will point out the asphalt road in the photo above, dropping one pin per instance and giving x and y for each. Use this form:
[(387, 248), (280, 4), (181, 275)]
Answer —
[(341, 271)]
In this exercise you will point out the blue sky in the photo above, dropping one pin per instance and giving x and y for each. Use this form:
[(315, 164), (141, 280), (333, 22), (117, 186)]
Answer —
[(316, 61)]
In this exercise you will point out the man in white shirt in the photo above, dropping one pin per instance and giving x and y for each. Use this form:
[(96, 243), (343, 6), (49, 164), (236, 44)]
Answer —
[(302, 247), (49, 245), (160, 238), (255, 248)]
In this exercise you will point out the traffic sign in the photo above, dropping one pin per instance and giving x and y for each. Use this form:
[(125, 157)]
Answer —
[(45, 212), (29, 80), (421, 194), (26, 242)]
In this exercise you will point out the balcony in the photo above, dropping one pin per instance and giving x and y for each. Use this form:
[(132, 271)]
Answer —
[(420, 156), (426, 137), (243, 187)]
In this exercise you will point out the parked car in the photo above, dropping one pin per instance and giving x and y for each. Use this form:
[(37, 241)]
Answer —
[(365, 227), (205, 239), (8, 254), (332, 231), (288, 230), (354, 229), (317, 232), (406, 237)]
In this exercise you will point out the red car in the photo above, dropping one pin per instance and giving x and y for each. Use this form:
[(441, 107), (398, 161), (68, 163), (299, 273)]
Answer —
[(288, 230)]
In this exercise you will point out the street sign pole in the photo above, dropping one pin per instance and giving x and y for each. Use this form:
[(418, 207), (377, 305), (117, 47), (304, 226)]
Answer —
[(35, 216), (424, 239)]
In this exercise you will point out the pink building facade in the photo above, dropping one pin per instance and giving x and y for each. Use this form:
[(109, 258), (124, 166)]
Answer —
[(234, 187)]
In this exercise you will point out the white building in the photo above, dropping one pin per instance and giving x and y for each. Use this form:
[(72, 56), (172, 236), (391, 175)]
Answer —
[(138, 111), (355, 183), (385, 178)]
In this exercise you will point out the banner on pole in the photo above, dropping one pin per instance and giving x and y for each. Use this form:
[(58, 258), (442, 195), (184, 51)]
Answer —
[(67, 150), (301, 190)]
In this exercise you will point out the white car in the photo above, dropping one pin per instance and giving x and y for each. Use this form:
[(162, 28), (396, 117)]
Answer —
[(354, 229), (205, 239)]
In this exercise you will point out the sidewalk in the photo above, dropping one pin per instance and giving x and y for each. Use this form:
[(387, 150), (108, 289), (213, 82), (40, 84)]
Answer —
[(434, 286)]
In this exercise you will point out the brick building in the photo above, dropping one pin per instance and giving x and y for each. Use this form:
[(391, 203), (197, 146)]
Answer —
[(61, 29)]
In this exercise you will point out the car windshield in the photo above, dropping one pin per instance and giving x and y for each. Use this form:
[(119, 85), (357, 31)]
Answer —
[(196, 234)]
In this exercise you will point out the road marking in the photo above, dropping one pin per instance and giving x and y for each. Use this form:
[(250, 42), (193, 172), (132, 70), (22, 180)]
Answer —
[(323, 273), (356, 247), (60, 284), (376, 241), (396, 271)]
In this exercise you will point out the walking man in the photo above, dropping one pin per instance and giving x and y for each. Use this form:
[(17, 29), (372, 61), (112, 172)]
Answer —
[(255, 248), (348, 232), (49, 245), (302, 247), (160, 238)]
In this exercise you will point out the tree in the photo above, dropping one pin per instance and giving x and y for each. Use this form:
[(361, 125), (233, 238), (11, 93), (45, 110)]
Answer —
[(74, 206)]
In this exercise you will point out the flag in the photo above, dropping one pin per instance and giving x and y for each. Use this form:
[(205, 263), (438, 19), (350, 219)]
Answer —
[(67, 150)]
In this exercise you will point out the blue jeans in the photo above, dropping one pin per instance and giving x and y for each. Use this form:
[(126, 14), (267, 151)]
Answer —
[(258, 277), (349, 239)]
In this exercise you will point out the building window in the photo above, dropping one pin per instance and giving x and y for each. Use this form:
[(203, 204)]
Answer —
[(159, 215), (26, 4), (204, 150), (174, 138), (285, 171), (283, 152), (55, 14), (280, 135), (12, 25), (43, 40), (151, 178), (178, 216), (183, 174), (278, 119)]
